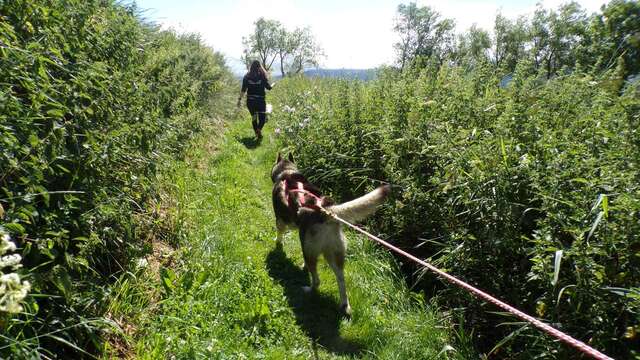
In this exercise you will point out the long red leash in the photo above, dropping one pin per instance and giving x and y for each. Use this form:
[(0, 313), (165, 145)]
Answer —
[(579, 345)]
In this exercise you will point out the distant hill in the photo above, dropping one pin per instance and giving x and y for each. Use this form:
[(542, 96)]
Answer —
[(236, 65), (239, 69), (360, 74)]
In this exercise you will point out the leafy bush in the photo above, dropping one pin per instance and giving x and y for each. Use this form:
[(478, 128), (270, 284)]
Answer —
[(529, 192), (91, 101)]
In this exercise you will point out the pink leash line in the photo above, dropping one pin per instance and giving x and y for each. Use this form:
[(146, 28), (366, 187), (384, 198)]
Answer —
[(586, 349)]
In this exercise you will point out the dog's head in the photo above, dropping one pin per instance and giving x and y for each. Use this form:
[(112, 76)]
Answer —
[(282, 166)]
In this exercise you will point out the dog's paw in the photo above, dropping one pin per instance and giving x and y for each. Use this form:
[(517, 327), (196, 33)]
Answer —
[(346, 310)]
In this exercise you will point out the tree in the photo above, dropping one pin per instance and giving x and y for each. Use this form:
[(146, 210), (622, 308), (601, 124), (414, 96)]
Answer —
[(539, 34), (616, 33), (510, 38), (305, 50), (271, 41), (263, 43), (573, 27), (473, 46), (285, 47), (422, 34), (556, 37)]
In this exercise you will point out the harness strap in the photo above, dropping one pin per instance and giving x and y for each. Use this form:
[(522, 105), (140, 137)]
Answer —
[(302, 192)]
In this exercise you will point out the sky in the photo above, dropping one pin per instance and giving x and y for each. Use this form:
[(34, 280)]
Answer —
[(353, 33)]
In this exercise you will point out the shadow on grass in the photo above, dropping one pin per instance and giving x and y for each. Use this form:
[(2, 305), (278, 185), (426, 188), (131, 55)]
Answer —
[(249, 142), (317, 314)]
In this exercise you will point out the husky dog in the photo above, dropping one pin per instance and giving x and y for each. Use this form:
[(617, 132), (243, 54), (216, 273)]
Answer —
[(296, 204)]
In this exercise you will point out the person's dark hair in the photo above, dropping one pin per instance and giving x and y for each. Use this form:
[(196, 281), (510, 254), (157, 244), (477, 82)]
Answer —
[(256, 70)]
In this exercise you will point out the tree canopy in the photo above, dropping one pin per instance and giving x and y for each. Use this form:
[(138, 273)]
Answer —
[(550, 40), (272, 43)]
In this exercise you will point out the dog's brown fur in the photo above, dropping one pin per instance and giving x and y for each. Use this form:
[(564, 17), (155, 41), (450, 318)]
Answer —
[(319, 234)]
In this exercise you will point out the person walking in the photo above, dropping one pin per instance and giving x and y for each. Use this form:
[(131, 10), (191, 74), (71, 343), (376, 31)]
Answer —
[(254, 83)]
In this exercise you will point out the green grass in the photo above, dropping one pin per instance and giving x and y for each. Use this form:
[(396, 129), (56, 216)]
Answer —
[(232, 294)]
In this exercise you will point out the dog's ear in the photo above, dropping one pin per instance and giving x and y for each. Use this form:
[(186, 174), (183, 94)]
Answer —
[(279, 158), (291, 157)]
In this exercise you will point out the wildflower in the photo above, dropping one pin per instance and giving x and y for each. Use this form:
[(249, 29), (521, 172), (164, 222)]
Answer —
[(11, 279), (525, 160), (269, 108), (6, 244), (12, 289), (277, 131), (12, 261), (142, 263), (12, 292)]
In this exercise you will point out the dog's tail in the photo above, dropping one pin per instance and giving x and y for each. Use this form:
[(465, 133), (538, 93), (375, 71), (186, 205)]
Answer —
[(360, 208)]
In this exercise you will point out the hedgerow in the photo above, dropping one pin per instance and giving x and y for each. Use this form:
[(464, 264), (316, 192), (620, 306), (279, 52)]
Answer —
[(92, 99), (529, 192)]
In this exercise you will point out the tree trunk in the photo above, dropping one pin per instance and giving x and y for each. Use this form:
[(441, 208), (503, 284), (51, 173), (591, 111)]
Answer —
[(549, 59), (263, 57), (271, 63), (282, 66)]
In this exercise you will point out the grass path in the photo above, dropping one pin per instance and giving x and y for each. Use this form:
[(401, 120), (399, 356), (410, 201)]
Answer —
[(232, 294)]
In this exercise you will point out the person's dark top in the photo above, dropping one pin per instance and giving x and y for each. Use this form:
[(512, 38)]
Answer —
[(254, 86)]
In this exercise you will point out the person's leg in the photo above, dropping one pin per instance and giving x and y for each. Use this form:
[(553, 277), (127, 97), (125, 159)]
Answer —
[(262, 113), (251, 106), (254, 122)]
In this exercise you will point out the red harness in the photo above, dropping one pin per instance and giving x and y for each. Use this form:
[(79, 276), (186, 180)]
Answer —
[(303, 196)]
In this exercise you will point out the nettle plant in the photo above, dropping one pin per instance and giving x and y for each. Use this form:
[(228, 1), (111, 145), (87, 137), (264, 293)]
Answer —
[(93, 101), (535, 183)]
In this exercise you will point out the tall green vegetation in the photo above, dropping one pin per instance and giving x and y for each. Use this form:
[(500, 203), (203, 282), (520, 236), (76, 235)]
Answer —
[(528, 190), (92, 99)]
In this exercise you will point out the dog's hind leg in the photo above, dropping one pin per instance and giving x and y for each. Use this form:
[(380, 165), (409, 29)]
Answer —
[(281, 227), (335, 259), (311, 263)]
